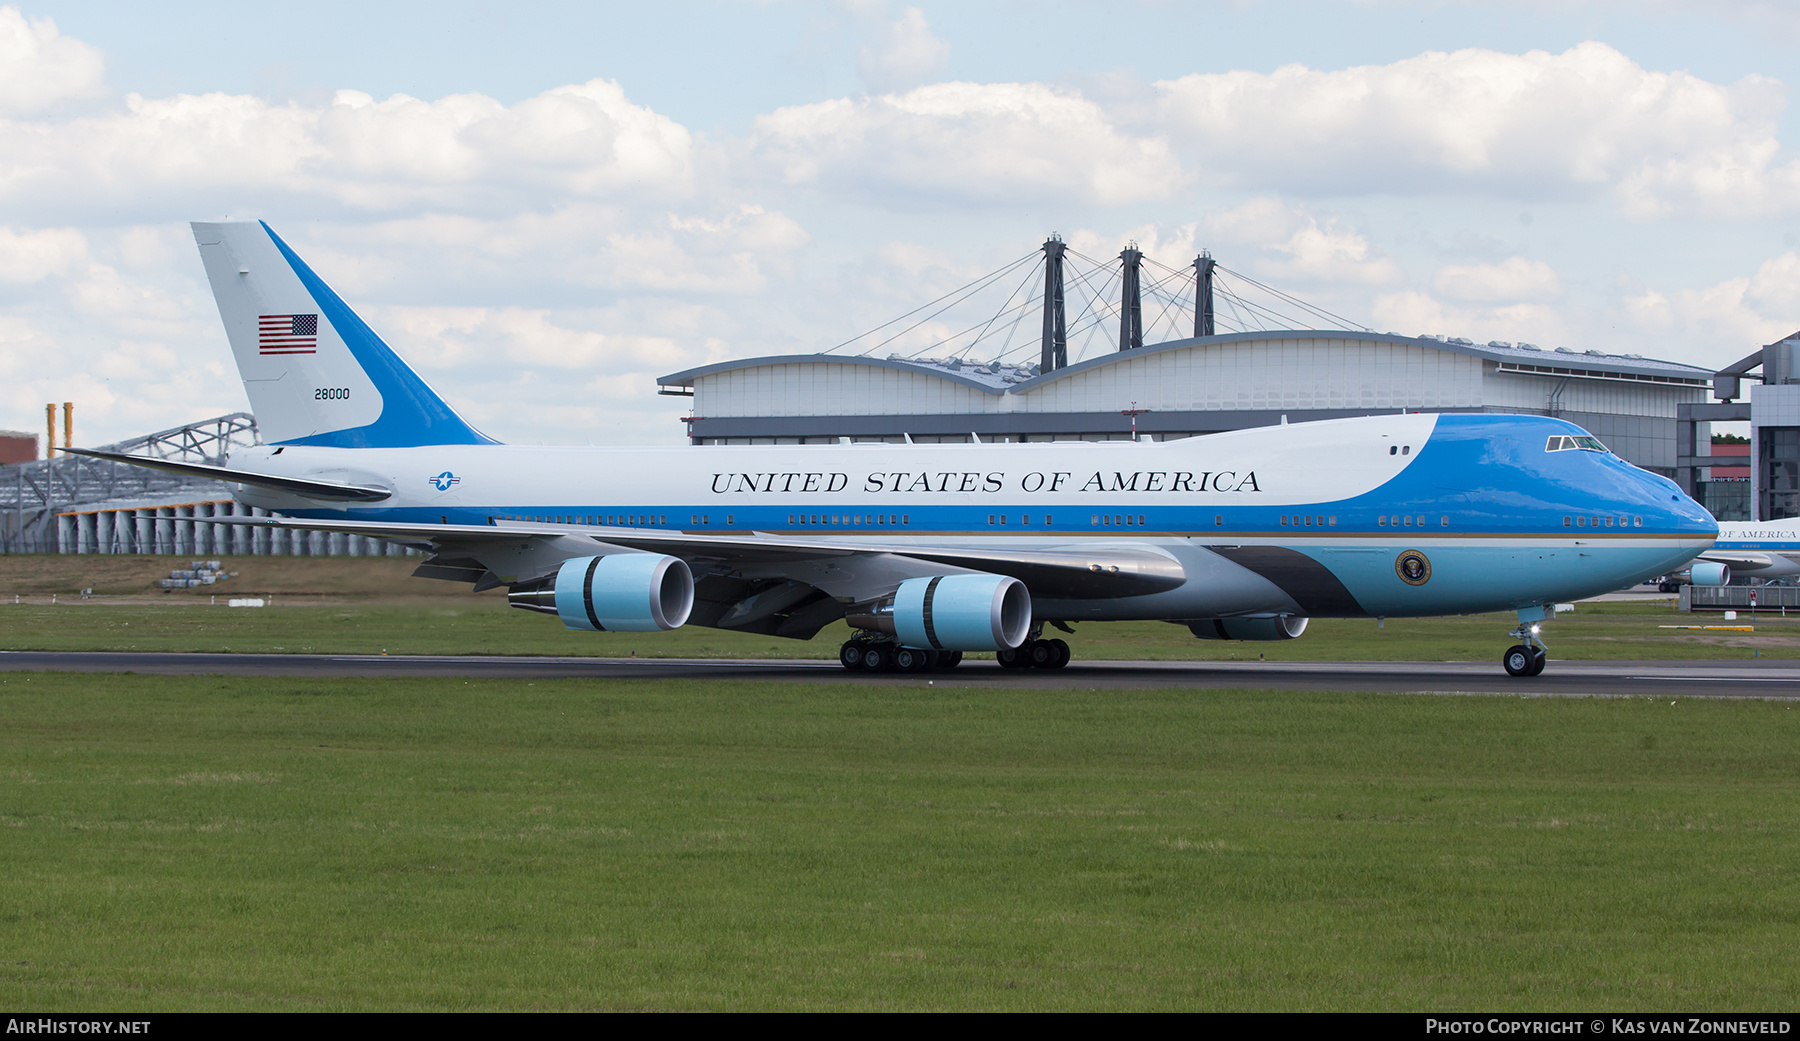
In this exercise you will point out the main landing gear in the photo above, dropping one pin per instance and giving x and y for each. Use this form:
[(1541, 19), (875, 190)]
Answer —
[(875, 652), (1526, 658), (1035, 654)]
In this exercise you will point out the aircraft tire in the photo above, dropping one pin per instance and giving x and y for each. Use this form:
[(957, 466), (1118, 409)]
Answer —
[(1538, 659), (877, 657), (1517, 660), (850, 654), (1041, 654), (1062, 653), (949, 659), (911, 659), (1012, 658)]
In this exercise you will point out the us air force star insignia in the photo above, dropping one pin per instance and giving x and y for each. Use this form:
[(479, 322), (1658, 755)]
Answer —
[(1413, 568)]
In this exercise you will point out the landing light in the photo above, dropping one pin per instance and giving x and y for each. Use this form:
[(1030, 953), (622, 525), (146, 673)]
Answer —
[(1534, 630)]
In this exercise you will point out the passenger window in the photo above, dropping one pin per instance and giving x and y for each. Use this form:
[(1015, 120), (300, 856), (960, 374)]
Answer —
[(1444, 521), (1406, 450), (1637, 522), (1609, 522), (1581, 522), (1393, 449), (729, 519), (1332, 520), (1218, 519), (1140, 520), (1409, 522), (1568, 521), (1284, 520), (1381, 521)]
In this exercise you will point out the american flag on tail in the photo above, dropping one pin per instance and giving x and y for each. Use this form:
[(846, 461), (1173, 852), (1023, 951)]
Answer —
[(287, 334)]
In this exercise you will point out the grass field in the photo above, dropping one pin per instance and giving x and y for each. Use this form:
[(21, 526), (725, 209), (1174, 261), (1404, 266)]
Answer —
[(229, 843)]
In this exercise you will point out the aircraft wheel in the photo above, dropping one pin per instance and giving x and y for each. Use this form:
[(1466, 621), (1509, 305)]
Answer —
[(911, 659), (949, 659), (1062, 654), (1538, 658), (1012, 658), (1518, 660), (850, 654), (1041, 654), (877, 657)]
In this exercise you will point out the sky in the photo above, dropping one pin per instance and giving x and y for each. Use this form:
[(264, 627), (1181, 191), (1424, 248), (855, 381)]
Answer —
[(544, 207)]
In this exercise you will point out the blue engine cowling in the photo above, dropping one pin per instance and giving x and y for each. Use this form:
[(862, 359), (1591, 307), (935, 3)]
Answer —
[(624, 593), (962, 612), (1276, 627), (1708, 573)]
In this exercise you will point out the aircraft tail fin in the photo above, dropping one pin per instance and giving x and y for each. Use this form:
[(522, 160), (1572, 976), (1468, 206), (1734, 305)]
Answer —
[(316, 374)]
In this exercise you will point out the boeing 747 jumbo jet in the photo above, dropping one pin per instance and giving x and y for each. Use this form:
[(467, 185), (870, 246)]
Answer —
[(928, 551), (1765, 549)]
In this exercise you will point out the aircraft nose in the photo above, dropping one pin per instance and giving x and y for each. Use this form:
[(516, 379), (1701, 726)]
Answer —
[(1685, 515)]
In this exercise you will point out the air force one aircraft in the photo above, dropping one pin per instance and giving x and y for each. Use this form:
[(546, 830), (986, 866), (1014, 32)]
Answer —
[(1763, 549), (932, 550)]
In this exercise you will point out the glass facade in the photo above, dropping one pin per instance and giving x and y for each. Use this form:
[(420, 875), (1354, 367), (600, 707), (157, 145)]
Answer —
[(1779, 458), (1725, 500)]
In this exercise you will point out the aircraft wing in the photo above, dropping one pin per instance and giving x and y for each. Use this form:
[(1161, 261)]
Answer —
[(1098, 571), (329, 491), (1746, 562)]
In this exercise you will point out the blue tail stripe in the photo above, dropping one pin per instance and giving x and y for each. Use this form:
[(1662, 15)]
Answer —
[(411, 412)]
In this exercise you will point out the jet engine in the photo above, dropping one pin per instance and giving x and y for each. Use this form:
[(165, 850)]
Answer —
[(1708, 573), (962, 612), (1269, 627), (620, 592)]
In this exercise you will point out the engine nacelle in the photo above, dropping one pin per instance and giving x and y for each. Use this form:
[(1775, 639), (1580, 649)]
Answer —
[(1277, 627), (1707, 573), (620, 592), (962, 612)]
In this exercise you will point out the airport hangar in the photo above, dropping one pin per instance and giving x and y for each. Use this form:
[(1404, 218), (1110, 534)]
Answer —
[(1180, 388)]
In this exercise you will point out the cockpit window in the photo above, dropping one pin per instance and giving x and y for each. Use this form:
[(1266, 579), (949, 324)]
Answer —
[(1570, 443)]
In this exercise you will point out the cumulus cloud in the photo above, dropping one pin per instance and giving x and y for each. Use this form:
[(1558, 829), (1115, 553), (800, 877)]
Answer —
[(40, 67), (966, 143), (907, 55), (28, 255), (1588, 120), (461, 151), (1731, 317), (1295, 245), (1410, 312), (1513, 279)]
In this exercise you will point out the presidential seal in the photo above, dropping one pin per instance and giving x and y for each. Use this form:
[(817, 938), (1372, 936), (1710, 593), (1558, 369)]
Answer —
[(1413, 568)]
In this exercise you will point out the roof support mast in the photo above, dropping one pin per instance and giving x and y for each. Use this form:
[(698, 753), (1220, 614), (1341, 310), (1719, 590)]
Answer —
[(1131, 301), (1203, 294), (1055, 352)]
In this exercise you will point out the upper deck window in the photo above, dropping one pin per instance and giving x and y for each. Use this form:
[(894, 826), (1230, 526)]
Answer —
[(1568, 442)]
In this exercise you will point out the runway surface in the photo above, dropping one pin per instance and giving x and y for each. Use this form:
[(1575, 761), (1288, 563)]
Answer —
[(1766, 678)]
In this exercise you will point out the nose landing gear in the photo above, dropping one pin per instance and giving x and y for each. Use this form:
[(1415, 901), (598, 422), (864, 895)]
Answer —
[(1526, 658)]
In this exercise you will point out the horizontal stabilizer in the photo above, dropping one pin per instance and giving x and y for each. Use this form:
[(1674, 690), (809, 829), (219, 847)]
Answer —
[(330, 491)]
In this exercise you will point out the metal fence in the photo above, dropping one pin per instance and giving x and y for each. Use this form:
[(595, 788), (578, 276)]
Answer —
[(1739, 598)]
